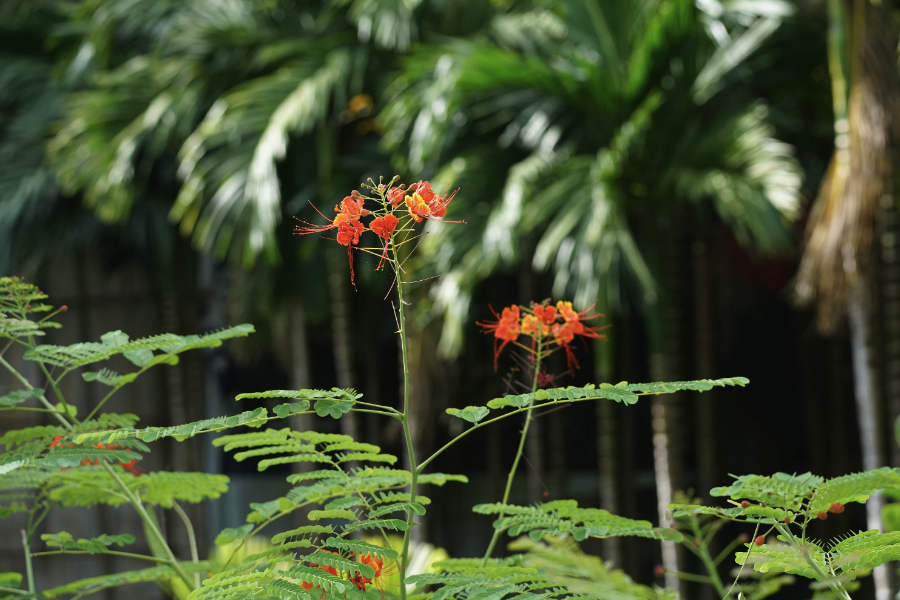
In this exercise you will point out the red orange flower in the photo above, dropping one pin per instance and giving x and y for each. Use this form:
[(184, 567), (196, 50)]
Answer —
[(561, 323), (384, 226), (423, 203), (506, 329)]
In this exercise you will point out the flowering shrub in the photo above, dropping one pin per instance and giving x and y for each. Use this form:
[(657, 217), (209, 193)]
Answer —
[(356, 487)]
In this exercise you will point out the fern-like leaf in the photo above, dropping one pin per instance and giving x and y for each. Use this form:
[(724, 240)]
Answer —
[(97, 545), (92, 585), (302, 531), (855, 487), (116, 342), (395, 524), (361, 547), (88, 487), (285, 590), (249, 418), (555, 518), (317, 577)]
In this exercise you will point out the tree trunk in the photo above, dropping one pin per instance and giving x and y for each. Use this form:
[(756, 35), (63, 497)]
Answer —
[(664, 322), (340, 333), (867, 410), (607, 442)]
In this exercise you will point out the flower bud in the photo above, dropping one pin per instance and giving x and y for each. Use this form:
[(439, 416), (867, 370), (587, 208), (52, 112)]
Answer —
[(760, 540), (836, 508), (823, 515), (744, 504)]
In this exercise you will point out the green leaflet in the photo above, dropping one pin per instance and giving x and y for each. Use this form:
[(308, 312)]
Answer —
[(95, 584), (622, 392), (317, 577), (472, 414), (315, 515), (564, 516), (77, 455), (230, 534), (26, 434), (779, 489), (340, 563), (440, 479), (285, 590), (87, 487), (395, 524), (402, 506), (361, 547), (97, 545), (250, 418), (855, 487), (328, 407), (116, 342), (109, 377), (20, 396), (300, 531), (349, 394)]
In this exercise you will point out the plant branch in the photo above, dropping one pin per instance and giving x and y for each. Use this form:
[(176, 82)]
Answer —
[(151, 526)]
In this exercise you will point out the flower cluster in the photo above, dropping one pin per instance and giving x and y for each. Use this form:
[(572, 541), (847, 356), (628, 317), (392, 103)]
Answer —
[(390, 205), (548, 327), (58, 442), (357, 579)]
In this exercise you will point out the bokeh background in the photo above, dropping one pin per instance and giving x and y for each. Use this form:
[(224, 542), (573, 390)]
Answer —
[(715, 176)]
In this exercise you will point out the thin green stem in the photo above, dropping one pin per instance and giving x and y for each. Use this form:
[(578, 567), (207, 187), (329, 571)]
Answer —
[(703, 553), (42, 398), (29, 573), (820, 574), (407, 433), (28, 409), (151, 526), (192, 539), (519, 451), (111, 552), (7, 590), (692, 577)]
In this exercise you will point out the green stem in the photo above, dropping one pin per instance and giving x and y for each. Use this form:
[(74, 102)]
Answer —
[(110, 552), (42, 398), (151, 526), (703, 553), (692, 577), (192, 539), (519, 452), (29, 573), (7, 590), (820, 574), (407, 433)]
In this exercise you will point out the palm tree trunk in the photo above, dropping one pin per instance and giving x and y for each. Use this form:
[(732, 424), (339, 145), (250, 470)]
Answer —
[(607, 443), (867, 409), (341, 336), (664, 322)]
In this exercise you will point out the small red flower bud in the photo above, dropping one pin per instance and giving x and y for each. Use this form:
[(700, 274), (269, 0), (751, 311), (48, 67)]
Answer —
[(837, 508), (28, 306), (63, 308), (787, 519), (823, 515), (659, 570), (763, 504), (809, 494), (744, 504), (760, 540)]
